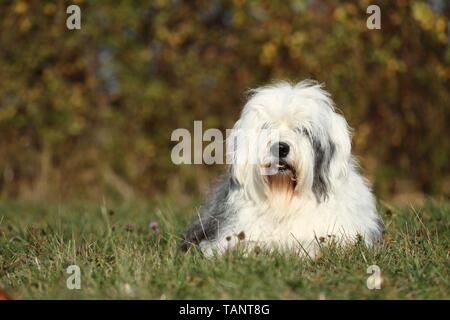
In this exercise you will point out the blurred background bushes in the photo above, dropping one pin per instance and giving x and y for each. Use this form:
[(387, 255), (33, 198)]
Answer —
[(90, 112)]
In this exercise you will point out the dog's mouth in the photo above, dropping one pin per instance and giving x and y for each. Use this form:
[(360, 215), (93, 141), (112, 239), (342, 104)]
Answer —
[(283, 177), (284, 167)]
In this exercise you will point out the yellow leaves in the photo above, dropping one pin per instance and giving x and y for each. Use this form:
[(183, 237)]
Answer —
[(396, 18), (297, 39), (20, 7), (162, 33), (24, 25), (351, 8), (239, 3), (340, 14), (77, 125), (422, 12), (392, 66), (295, 43), (361, 137), (238, 18), (161, 3), (7, 113), (441, 25), (174, 36), (430, 20), (76, 99), (269, 51), (49, 8), (440, 71), (346, 13), (395, 65), (145, 54)]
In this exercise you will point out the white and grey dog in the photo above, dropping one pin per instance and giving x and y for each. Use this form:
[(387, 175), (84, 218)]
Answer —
[(315, 196)]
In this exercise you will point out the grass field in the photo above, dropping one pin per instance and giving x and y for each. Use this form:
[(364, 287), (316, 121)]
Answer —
[(121, 256)]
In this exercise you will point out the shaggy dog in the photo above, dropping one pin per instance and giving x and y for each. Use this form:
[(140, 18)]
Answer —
[(302, 191)]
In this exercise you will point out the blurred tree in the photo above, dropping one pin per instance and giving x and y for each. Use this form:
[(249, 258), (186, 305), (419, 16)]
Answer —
[(92, 110)]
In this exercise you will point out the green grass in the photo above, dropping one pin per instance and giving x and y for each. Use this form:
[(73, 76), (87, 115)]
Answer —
[(120, 256)]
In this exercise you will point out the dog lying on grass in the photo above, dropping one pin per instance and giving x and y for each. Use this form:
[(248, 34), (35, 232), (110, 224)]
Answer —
[(302, 190)]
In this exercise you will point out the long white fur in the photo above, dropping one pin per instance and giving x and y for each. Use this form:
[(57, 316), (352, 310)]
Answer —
[(272, 220)]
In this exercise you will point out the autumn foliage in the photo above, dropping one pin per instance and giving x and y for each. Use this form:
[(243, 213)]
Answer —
[(90, 112)]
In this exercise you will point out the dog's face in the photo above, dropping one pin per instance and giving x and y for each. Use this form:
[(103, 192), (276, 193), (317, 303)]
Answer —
[(300, 145)]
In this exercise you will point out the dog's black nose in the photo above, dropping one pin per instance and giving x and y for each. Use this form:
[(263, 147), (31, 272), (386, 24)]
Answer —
[(280, 149)]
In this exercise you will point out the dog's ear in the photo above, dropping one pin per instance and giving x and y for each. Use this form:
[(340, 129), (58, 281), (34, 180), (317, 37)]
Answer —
[(340, 137), (332, 156), (324, 151)]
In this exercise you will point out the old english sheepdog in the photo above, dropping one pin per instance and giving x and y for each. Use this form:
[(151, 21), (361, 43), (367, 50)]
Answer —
[(313, 195)]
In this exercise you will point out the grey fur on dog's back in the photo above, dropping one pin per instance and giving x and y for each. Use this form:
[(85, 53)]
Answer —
[(214, 214)]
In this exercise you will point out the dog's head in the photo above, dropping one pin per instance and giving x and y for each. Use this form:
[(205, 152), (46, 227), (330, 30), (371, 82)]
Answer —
[(289, 141)]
